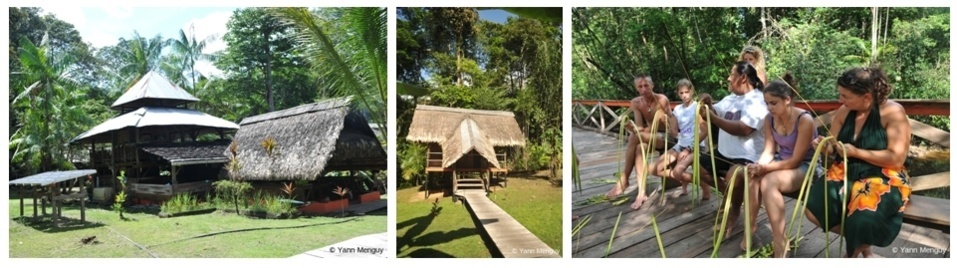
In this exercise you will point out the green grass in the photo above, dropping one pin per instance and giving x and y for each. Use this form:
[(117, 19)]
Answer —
[(536, 204), (451, 232), (422, 234), (37, 239)]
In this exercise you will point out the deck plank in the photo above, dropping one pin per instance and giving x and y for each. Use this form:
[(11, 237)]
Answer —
[(685, 230)]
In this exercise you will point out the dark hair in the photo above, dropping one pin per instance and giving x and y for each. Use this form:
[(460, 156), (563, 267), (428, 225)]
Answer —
[(745, 68), (684, 82), (783, 88), (862, 80)]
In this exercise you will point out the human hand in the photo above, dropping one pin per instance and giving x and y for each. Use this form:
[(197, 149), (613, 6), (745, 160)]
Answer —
[(847, 149), (756, 170)]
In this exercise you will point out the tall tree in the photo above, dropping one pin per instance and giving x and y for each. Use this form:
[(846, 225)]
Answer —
[(253, 40), (190, 50), (47, 109), (356, 64)]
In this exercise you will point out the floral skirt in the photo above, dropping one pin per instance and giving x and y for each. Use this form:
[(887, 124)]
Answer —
[(872, 213)]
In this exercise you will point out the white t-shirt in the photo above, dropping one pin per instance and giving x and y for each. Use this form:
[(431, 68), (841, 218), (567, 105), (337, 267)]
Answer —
[(685, 117), (751, 110)]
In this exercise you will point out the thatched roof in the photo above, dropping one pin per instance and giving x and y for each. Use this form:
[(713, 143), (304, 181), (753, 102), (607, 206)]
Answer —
[(309, 140), (437, 124), (189, 153), (153, 117), (153, 90), (466, 138)]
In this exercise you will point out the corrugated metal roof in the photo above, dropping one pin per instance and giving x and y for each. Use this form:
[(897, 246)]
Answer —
[(153, 86), (156, 116), (187, 154), (51, 177)]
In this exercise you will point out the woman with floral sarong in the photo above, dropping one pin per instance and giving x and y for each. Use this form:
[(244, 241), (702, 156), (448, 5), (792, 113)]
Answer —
[(875, 134)]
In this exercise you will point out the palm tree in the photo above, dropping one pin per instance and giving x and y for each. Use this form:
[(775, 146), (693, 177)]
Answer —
[(139, 56), (191, 50), (355, 65), (47, 109)]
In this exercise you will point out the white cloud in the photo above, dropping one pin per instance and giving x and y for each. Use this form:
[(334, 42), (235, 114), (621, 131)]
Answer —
[(118, 13), (212, 24), (98, 37)]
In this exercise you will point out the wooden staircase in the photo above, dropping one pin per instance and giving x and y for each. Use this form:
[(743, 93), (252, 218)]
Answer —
[(469, 182)]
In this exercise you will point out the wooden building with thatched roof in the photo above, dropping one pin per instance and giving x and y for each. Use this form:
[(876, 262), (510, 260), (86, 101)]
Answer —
[(461, 141), (324, 143), (163, 147)]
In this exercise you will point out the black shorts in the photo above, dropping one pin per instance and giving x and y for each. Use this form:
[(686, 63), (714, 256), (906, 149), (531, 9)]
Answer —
[(720, 161)]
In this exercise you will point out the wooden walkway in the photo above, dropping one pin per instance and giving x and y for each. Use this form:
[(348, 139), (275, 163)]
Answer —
[(364, 208), (511, 239), (685, 229)]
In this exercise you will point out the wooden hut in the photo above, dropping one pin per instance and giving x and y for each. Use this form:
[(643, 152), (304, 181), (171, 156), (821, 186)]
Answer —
[(469, 144), (156, 141), (322, 143)]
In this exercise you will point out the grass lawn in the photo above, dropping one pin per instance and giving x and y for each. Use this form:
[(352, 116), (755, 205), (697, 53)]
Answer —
[(532, 201), (162, 236), (422, 234), (536, 204)]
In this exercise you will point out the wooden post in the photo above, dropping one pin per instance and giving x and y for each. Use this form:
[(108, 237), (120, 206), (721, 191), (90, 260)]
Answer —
[(455, 182), (20, 195), (33, 192), (56, 217), (173, 173), (83, 209)]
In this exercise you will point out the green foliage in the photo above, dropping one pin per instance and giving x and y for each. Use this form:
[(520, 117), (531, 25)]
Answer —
[(465, 62), (815, 44), (413, 162), (232, 190), (182, 203), (269, 203), (347, 49), (121, 196)]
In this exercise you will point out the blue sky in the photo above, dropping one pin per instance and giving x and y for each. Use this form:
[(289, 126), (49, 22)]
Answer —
[(104, 26)]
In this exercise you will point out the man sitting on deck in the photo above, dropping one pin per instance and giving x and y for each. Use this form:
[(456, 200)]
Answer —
[(645, 108)]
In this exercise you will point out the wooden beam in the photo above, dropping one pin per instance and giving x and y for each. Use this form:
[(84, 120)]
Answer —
[(931, 181), (929, 133), (912, 107)]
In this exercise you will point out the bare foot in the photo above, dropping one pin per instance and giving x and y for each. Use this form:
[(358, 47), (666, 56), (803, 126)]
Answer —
[(732, 222), (684, 188), (616, 190), (640, 200)]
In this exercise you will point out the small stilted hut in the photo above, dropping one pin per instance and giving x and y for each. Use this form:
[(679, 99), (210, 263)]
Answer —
[(156, 141), (469, 144), (323, 143)]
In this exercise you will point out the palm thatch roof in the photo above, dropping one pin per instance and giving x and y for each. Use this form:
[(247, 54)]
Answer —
[(436, 124), (153, 90), (466, 138), (307, 140), (460, 131)]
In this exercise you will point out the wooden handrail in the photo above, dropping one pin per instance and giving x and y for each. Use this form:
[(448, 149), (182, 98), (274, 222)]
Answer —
[(913, 107)]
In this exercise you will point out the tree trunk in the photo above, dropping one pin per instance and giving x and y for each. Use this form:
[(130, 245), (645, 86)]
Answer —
[(875, 22), (266, 33)]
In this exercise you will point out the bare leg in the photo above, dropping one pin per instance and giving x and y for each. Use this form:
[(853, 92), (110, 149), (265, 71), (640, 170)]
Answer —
[(864, 250), (630, 151), (640, 168), (754, 202), (772, 185), (679, 172)]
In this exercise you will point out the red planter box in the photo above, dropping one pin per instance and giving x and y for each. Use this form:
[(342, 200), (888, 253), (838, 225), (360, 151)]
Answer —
[(323, 208), (369, 197)]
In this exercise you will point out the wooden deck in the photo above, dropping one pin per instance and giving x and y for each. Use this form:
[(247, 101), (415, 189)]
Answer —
[(511, 239), (685, 229)]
